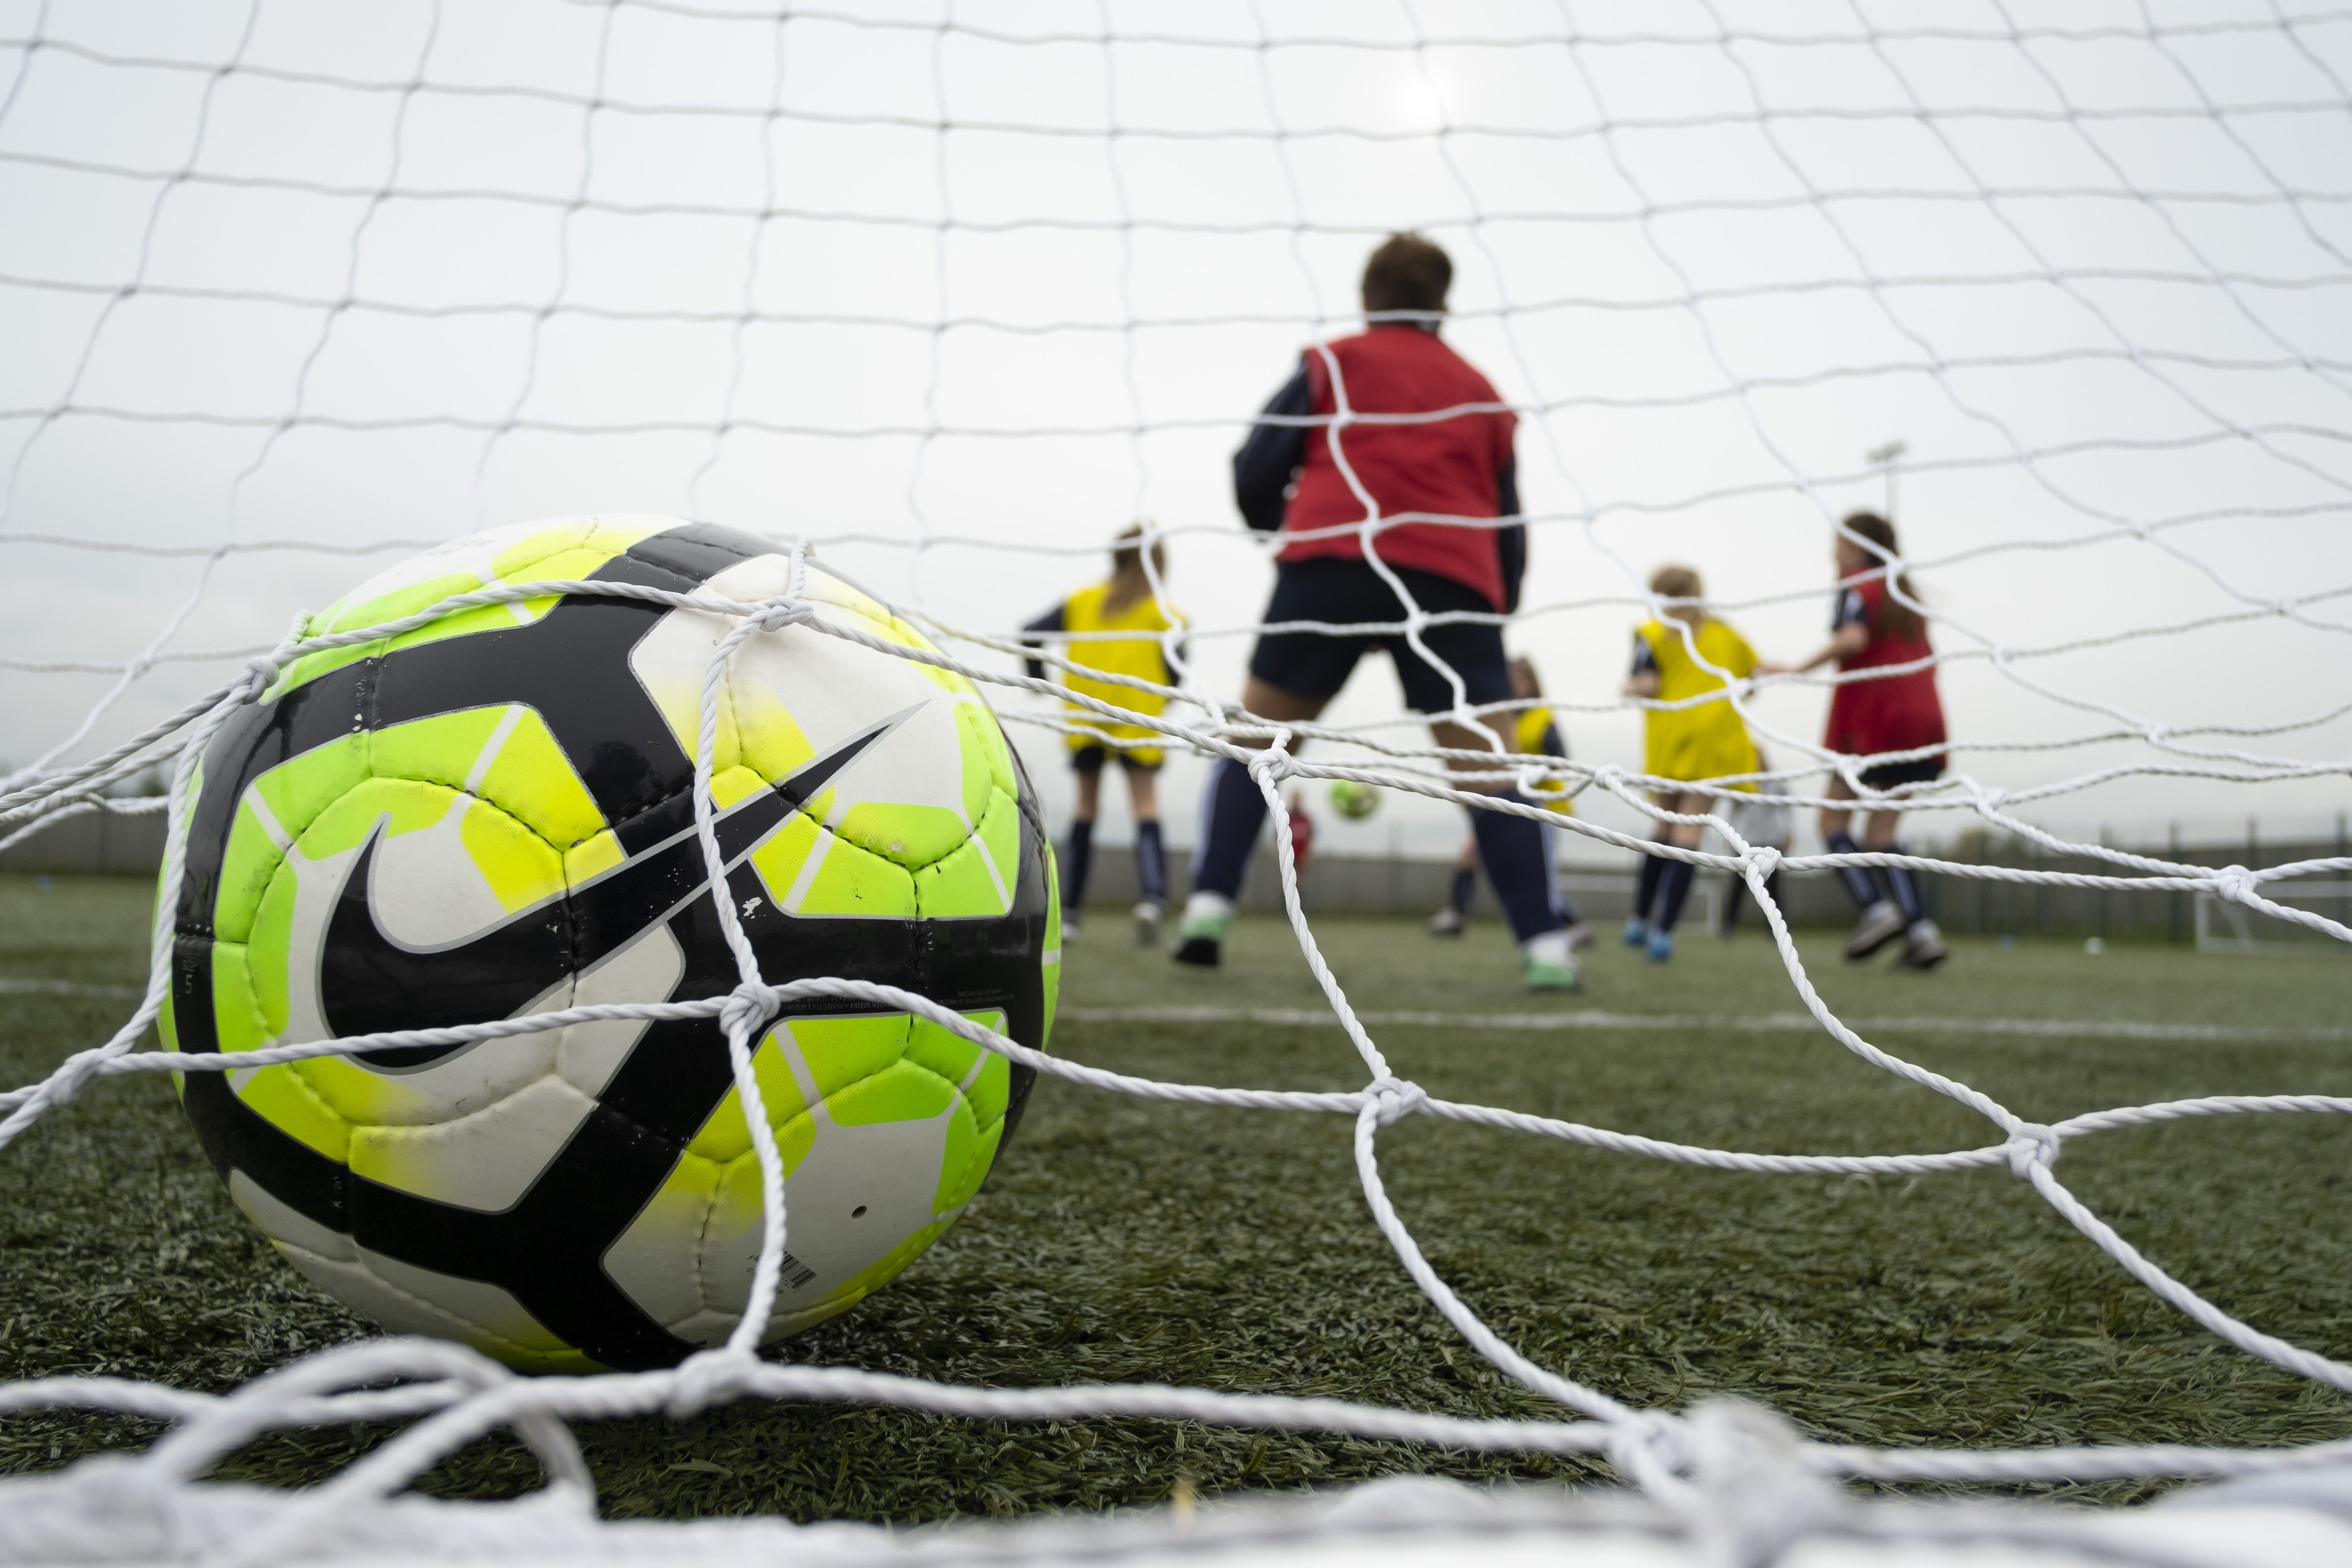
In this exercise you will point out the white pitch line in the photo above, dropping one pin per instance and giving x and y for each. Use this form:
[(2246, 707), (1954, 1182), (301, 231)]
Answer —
[(1589, 1017), (69, 989), (1757, 1023)]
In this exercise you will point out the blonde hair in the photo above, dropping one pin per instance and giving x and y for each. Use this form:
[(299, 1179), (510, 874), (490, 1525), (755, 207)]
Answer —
[(1681, 582)]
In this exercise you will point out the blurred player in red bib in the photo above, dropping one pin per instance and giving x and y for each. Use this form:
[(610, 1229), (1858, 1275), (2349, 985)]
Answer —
[(1876, 629)]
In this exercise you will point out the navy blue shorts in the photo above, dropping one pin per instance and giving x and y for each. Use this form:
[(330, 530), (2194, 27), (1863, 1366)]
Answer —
[(1334, 589), (1888, 775)]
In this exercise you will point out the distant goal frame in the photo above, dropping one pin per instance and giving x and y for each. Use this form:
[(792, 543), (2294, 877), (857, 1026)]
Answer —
[(2238, 935)]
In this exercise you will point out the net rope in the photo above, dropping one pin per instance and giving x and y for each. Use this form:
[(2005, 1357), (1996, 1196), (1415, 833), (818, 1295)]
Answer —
[(451, 1395)]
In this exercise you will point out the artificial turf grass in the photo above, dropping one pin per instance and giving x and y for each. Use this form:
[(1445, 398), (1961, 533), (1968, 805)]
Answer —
[(1132, 1241)]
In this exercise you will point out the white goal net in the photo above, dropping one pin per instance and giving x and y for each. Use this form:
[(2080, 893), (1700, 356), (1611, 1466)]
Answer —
[(941, 295)]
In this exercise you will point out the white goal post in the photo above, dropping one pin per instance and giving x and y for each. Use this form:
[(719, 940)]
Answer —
[(2226, 927)]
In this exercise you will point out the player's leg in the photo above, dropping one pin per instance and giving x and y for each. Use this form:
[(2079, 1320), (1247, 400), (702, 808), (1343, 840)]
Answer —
[(1646, 897), (1882, 918), (1580, 930), (1510, 847), (1293, 676), (1735, 894), (1923, 944), (1232, 814), (1675, 876), (1580, 934), (1142, 769), (1078, 852), (1450, 920)]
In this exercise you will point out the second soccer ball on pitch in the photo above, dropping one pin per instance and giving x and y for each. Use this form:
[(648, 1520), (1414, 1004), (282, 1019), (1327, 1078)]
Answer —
[(1353, 799)]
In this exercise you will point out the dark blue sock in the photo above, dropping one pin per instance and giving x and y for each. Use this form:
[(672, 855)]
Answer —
[(1077, 859), (1906, 883), (1860, 885), (1735, 894), (1457, 896), (1512, 850), (1233, 811), (1674, 887), (1645, 886), (1151, 862), (1560, 901)]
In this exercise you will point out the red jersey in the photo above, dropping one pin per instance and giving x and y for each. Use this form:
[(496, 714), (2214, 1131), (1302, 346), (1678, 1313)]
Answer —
[(1448, 466), (1897, 713)]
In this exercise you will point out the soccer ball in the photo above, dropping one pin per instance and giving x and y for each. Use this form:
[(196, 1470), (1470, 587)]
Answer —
[(492, 816), (1354, 800)]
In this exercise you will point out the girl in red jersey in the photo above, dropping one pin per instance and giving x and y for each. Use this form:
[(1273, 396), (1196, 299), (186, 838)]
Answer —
[(1870, 630)]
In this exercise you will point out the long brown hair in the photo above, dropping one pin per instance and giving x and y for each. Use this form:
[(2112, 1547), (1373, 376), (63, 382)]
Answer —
[(1128, 581), (1897, 619)]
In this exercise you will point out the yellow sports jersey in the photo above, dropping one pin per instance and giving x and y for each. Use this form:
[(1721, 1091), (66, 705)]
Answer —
[(1708, 740), (1538, 735), (1140, 656)]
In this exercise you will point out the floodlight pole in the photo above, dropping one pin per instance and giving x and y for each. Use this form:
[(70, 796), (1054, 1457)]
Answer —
[(1887, 458)]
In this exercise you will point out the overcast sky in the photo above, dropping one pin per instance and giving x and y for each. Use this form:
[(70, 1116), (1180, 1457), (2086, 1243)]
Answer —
[(975, 275)]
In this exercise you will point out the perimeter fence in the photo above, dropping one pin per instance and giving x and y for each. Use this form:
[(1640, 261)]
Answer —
[(131, 842), (1404, 886)]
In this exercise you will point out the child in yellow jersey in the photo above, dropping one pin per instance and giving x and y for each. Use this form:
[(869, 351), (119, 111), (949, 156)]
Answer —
[(1125, 603), (1685, 656), (1536, 734)]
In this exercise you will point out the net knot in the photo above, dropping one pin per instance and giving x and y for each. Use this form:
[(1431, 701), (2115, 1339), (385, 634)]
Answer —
[(779, 613), (1652, 1449), (707, 1378), (1753, 1494), (1274, 764), (2234, 883), (1394, 1098), (2032, 1143), (72, 1076), (1761, 859), (260, 675), (746, 1009)]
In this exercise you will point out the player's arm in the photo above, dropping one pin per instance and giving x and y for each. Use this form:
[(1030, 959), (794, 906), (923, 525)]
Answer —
[(1271, 457), (1049, 621), (1510, 542), (1642, 680), (1849, 635)]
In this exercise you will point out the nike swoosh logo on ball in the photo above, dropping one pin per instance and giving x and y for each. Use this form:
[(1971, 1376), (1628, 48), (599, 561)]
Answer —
[(370, 981)]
